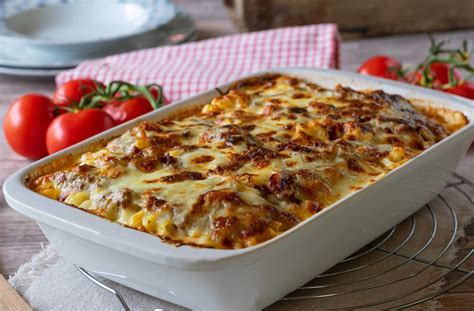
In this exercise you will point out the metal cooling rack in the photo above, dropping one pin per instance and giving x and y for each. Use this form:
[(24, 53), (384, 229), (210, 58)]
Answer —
[(404, 246)]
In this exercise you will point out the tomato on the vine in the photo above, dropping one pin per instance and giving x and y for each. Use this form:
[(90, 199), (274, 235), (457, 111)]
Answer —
[(26, 123), (439, 72), (465, 89), (123, 111), (130, 104), (71, 92), (381, 66), (73, 127), (155, 92), (36, 125)]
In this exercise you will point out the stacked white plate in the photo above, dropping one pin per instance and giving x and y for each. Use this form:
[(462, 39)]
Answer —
[(43, 37)]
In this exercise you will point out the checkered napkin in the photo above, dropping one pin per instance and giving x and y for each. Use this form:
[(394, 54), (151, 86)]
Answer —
[(187, 69)]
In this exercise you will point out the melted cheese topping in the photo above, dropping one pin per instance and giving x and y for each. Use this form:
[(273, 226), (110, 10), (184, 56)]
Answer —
[(256, 161)]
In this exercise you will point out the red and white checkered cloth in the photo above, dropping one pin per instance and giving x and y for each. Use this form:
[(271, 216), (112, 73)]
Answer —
[(190, 68)]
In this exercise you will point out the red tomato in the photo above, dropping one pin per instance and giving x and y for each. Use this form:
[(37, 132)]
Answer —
[(26, 123), (465, 90), (154, 92), (440, 74), (380, 66), (73, 127), (71, 92), (127, 110)]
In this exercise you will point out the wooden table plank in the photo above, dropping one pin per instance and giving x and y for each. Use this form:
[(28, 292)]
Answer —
[(20, 238), (9, 298)]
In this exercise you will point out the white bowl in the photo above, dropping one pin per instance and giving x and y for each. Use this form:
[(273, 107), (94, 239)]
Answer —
[(48, 31), (27, 63), (81, 22)]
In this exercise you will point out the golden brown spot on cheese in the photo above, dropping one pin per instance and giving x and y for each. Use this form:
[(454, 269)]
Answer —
[(203, 159), (180, 177)]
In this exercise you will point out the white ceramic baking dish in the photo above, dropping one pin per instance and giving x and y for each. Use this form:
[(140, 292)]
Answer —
[(252, 278)]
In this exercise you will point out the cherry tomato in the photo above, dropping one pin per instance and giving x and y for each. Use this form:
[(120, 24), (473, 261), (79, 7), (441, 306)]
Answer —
[(154, 92), (71, 92), (380, 66), (124, 110), (73, 127), (440, 74), (464, 90), (127, 110), (26, 123)]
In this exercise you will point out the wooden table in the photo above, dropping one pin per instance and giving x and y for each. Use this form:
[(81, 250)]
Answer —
[(21, 238)]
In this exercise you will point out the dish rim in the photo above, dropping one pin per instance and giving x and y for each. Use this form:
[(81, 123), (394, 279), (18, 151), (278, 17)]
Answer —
[(150, 247)]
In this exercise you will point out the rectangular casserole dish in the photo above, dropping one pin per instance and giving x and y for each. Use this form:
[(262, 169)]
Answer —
[(254, 277)]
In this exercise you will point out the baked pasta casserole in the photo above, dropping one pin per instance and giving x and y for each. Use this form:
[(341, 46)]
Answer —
[(264, 156)]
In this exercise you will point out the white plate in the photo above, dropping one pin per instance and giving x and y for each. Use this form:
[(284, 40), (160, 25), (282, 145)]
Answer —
[(181, 29), (49, 34), (254, 277), (28, 72), (73, 22)]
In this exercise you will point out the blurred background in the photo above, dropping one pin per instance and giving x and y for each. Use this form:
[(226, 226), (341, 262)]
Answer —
[(163, 22), (355, 19)]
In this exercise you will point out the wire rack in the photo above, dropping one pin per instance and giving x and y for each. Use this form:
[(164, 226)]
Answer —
[(400, 269)]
